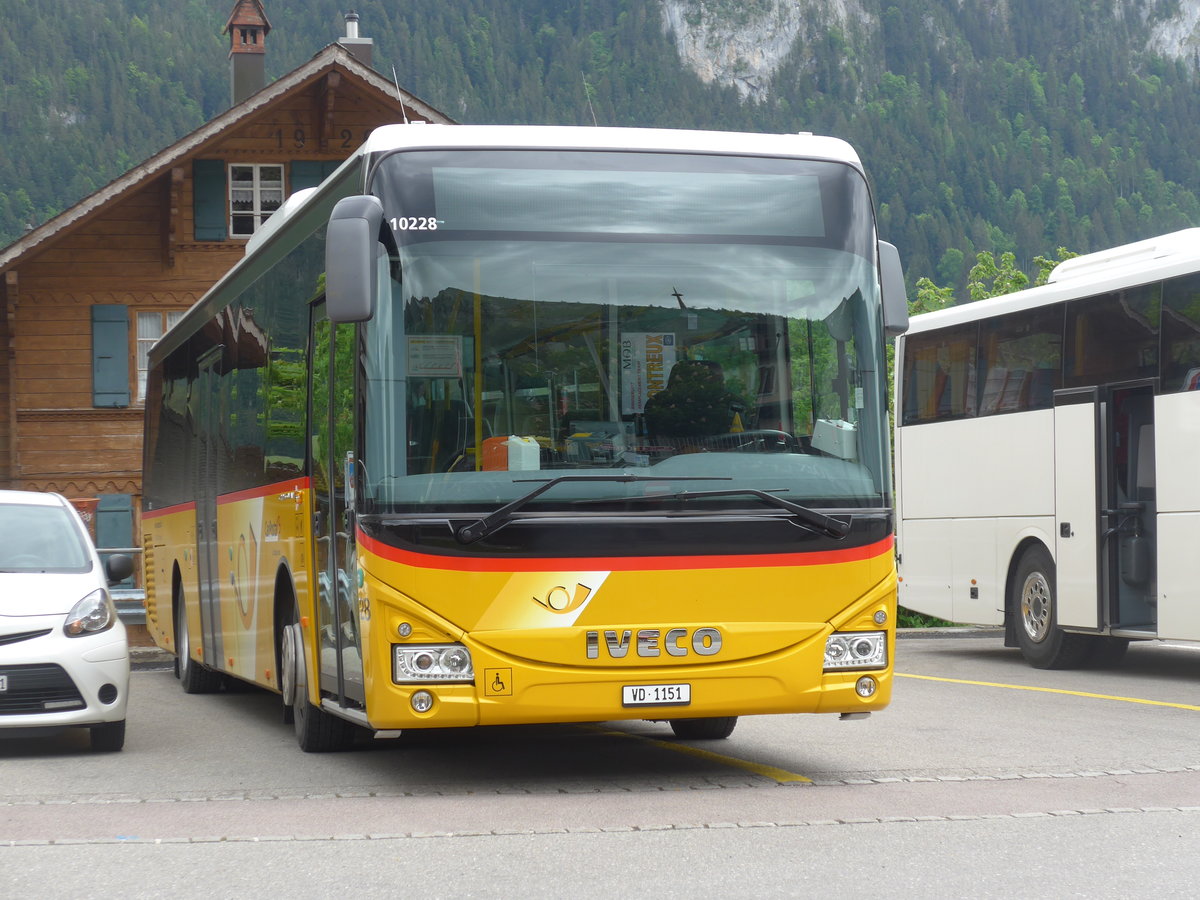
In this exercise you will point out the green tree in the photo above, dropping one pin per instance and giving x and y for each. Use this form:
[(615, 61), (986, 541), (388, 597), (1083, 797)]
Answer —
[(988, 278), (930, 297), (1046, 265)]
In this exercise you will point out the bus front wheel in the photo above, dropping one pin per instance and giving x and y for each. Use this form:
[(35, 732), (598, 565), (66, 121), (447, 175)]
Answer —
[(316, 730), (1033, 602), (710, 729)]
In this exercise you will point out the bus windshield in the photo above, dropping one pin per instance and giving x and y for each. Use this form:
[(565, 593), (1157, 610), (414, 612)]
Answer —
[(712, 318)]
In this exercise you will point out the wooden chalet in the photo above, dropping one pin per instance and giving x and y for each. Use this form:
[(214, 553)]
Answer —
[(85, 295)]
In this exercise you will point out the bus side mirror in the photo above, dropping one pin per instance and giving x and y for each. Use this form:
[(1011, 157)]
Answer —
[(352, 251), (895, 298)]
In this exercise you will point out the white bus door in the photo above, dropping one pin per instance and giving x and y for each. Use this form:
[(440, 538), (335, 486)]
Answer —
[(1078, 452), (1129, 536)]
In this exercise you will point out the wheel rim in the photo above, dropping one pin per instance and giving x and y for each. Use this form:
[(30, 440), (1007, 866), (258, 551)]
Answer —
[(289, 665), (300, 693), (183, 650), (1036, 606)]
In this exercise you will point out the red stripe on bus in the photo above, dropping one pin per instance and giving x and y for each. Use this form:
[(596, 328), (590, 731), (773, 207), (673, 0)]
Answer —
[(279, 487), (622, 563), (190, 506)]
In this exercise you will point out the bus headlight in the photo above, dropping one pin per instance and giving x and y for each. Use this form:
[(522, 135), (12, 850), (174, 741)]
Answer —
[(856, 650), (431, 662)]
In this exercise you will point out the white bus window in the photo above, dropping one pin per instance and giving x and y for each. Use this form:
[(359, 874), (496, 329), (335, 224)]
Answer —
[(939, 377), (1113, 337), (1021, 360), (1181, 334)]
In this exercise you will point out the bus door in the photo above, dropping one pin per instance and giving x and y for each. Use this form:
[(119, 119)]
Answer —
[(1078, 451), (1128, 540), (332, 439), (209, 426), (1104, 492)]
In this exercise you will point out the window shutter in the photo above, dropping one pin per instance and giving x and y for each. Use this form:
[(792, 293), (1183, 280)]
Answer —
[(114, 524), (306, 173), (208, 199), (110, 355)]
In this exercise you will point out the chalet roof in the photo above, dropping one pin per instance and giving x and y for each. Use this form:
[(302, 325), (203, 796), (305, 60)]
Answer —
[(332, 57)]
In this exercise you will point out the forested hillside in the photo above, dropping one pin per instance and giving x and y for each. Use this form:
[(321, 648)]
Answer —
[(1002, 125)]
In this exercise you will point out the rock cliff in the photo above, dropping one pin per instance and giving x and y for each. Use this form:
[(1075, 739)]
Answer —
[(742, 43)]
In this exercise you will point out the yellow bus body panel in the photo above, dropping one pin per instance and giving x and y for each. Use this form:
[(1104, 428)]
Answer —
[(527, 632), (261, 533), (528, 628)]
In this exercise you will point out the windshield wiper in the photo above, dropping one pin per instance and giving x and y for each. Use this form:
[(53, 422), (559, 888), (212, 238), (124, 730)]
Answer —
[(826, 525), (468, 534)]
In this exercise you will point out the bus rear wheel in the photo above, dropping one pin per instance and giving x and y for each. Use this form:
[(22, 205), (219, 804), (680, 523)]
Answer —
[(1033, 601), (195, 678), (710, 729)]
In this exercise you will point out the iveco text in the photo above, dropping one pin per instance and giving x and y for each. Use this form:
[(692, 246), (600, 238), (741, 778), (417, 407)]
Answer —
[(652, 642)]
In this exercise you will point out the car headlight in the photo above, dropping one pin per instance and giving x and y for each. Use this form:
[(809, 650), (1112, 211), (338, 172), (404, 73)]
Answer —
[(431, 662), (856, 650), (91, 615)]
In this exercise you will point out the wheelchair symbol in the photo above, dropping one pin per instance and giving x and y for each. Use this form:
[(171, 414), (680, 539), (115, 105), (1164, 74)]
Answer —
[(497, 682)]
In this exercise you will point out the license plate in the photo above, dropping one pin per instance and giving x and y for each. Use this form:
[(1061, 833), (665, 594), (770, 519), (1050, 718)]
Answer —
[(656, 695), (3, 683)]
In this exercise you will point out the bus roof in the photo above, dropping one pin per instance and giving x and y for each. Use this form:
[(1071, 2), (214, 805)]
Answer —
[(1126, 266), (564, 137)]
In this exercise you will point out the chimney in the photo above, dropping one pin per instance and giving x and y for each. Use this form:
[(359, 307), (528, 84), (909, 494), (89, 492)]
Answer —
[(247, 29), (359, 48)]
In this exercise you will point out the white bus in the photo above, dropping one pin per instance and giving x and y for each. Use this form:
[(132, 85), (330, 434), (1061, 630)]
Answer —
[(1047, 457)]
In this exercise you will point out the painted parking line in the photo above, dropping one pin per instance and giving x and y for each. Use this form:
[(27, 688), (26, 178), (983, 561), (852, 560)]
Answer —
[(782, 776), (1046, 690)]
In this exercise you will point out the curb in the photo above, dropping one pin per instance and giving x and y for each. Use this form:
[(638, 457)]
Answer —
[(150, 658), (952, 631)]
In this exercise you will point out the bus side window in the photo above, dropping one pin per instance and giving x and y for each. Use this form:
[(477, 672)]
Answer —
[(1181, 334), (941, 375), (1022, 357)]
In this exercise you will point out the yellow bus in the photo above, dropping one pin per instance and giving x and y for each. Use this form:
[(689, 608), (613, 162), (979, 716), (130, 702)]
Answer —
[(508, 425)]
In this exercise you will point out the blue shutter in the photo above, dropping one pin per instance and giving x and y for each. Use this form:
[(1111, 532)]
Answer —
[(208, 199), (114, 524), (306, 173), (110, 355)]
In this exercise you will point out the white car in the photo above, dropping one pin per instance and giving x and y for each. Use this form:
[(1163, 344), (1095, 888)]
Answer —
[(64, 656)]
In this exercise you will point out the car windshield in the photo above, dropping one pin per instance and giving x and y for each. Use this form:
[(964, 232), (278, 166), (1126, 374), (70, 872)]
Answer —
[(35, 538), (702, 318)]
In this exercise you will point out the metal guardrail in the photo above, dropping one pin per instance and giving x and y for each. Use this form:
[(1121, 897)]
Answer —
[(129, 600)]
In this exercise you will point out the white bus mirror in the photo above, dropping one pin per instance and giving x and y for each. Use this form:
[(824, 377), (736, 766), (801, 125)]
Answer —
[(352, 250), (895, 298)]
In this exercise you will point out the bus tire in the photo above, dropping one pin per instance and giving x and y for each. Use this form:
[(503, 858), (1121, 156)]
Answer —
[(1106, 651), (1033, 603), (289, 649), (316, 730), (715, 728), (195, 678)]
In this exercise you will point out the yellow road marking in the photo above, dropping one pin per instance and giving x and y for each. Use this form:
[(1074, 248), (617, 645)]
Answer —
[(1045, 690), (782, 776)]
